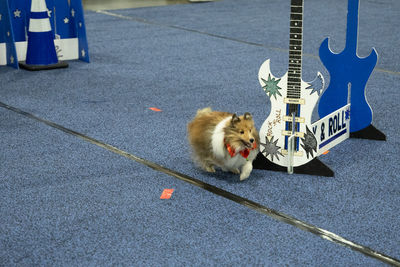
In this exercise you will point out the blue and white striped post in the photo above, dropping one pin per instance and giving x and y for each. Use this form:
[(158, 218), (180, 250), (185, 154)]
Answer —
[(41, 53)]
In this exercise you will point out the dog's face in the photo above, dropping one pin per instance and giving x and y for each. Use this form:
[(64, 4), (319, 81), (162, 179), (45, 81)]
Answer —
[(242, 133)]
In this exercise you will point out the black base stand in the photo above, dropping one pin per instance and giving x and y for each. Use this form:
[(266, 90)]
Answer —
[(369, 132), (313, 167), (60, 64)]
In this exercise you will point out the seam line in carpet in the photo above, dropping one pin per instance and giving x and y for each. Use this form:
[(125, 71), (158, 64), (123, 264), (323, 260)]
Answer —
[(220, 192)]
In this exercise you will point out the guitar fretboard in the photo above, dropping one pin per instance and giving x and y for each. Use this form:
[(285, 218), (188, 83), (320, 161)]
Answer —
[(295, 49)]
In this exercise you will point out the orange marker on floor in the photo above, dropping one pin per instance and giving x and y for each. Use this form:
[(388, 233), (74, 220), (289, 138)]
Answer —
[(155, 109), (167, 193)]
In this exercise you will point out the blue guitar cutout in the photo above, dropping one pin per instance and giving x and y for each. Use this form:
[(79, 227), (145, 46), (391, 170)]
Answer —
[(349, 75)]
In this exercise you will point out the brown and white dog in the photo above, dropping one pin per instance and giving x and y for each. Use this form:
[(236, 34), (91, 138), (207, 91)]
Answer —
[(224, 140)]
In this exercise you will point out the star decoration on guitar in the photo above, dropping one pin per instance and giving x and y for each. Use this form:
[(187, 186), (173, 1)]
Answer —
[(317, 85), (347, 114), (270, 148), (271, 86), (309, 143), (17, 13)]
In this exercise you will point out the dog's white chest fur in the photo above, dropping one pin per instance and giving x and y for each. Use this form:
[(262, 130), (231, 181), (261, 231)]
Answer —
[(217, 139)]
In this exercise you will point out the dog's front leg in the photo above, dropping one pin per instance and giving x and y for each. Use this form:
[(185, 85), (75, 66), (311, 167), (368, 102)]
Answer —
[(246, 170)]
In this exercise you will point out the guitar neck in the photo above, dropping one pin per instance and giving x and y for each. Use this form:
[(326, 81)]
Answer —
[(295, 49), (352, 26)]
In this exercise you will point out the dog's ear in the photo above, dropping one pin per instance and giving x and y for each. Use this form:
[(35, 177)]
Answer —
[(235, 119), (247, 116)]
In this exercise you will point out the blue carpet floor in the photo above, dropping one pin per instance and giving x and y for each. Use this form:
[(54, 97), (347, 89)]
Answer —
[(67, 202)]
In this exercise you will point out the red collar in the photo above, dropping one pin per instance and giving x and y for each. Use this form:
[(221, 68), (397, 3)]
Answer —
[(245, 152)]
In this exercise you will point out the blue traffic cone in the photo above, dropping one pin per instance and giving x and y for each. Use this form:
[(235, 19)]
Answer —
[(41, 53)]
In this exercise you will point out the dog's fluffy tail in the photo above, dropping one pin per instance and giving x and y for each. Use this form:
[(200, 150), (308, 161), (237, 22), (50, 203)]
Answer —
[(203, 111)]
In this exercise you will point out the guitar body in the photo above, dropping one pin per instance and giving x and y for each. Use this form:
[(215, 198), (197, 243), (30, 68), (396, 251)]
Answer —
[(349, 75), (347, 72), (276, 128)]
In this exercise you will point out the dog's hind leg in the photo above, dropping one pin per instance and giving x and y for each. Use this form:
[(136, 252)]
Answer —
[(207, 166)]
